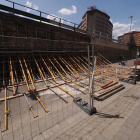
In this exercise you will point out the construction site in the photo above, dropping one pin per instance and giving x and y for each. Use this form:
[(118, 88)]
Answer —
[(45, 65)]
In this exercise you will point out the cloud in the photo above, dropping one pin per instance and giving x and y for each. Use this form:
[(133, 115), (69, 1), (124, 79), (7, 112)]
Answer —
[(28, 4), (65, 11), (120, 29), (111, 20), (53, 17), (35, 7), (136, 21)]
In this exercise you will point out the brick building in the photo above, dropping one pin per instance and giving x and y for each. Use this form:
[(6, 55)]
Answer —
[(131, 38), (95, 19)]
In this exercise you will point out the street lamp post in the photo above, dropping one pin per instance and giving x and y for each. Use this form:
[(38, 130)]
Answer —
[(130, 29), (131, 22)]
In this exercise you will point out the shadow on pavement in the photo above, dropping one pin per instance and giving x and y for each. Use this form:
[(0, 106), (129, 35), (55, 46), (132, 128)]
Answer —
[(16, 90), (32, 96), (103, 115)]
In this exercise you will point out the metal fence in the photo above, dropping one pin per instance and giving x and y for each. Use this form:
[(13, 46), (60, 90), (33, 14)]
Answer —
[(39, 78)]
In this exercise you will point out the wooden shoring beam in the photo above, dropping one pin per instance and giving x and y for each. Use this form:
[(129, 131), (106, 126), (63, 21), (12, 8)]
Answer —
[(56, 93), (12, 76), (110, 84), (110, 73), (106, 84), (78, 65), (30, 107), (71, 66), (103, 73), (77, 73), (75, 88), (67, 74), (6, 112), (84, 62), (86, 80), (105, 63), (99, 65), (119, 71), (23, 74), (109, 63), (37, 81), (15, 73), (40, 72), (106, 70), (87, 60), (99, 78), (60, 66), (57, 84), (103, 60), (102, 65), (63, 89), (106, 67), (109, 69), (66, 65), (68, 78), (28, 72), (39, 100), (97, 68), (48, 68), (74, 67), (31, 69), (52, 83), (78, 76), (37, 90), (56, 69), (109, 77)]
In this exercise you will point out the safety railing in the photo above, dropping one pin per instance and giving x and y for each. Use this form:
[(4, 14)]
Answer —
[(52, 20)]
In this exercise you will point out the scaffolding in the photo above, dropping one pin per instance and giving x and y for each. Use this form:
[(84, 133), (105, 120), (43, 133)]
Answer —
[(43, 70)]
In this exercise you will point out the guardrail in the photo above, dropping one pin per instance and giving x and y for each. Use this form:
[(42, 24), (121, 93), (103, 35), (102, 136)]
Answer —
[(60, 19), (98, 34), (56, 22)]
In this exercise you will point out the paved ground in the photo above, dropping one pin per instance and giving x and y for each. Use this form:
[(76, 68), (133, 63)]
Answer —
[(118, 118)]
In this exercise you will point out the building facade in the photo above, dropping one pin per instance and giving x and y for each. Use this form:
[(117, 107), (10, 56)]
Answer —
[(132, 38), (95, 19)]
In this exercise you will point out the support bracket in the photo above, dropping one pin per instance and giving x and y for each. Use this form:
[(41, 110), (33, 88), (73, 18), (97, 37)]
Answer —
[(84, 106)]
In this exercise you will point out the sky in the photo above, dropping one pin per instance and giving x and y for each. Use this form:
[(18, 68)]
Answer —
[(73, 10)]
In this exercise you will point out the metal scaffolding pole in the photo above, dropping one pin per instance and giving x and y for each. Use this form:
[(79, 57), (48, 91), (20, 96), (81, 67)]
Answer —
[(93, 74), (89, 109), (89, 74), (136, 65)]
